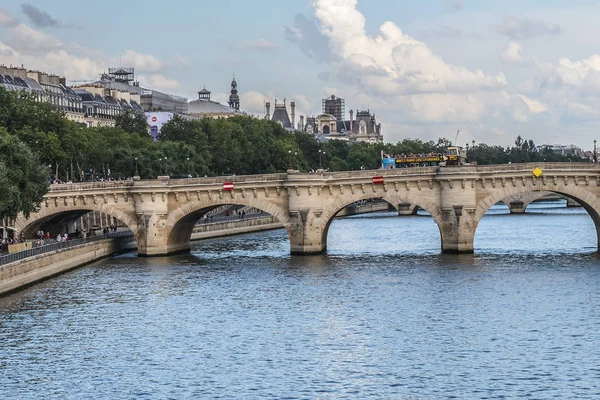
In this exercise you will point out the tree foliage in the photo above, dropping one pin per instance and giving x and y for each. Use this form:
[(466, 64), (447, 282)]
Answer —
[(35, 133), (23, 179)]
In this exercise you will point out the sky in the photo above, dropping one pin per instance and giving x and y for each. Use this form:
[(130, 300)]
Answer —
[(490, 69)]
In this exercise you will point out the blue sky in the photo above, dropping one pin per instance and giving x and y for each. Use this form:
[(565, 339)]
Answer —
[(494, 69)]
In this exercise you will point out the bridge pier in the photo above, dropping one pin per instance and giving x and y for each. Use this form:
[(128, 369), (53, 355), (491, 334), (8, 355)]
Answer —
[(457, 230), (407, 209), (517, 207), (306, 235)]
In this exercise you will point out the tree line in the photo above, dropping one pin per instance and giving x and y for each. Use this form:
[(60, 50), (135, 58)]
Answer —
[(38, 144)]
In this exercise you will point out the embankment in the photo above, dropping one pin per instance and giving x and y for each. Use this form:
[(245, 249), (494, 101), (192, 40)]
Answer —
[(20, 274)]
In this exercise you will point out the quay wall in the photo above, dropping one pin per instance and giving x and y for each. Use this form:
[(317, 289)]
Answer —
[(234, 227), (23, 273)]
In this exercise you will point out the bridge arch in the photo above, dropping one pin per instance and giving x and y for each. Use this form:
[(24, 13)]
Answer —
[(32, 224), (589, 201), (393, 198), (181, 221)]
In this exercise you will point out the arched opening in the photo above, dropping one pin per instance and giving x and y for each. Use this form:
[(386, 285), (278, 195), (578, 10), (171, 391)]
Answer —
[(548, 226), (75, 222), (382, 229), (326, 129), (198, 221)]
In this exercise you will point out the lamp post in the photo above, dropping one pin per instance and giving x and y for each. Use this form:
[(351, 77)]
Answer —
[(187, 166), (136, 167), (165, 165), (595, 152), (320, 162), (467, 151), (296, 159), (473, 150), (290, 159), (324, 160)]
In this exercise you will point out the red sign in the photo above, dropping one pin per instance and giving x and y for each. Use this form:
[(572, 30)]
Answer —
[(227, 185), (154, 119), (378, 180)]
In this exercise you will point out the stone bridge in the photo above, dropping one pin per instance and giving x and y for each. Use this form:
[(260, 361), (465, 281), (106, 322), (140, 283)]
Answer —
[(162, 213)]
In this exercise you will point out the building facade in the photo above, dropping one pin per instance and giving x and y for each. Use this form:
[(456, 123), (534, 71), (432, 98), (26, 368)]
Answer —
[(331, 123), (205, 107)]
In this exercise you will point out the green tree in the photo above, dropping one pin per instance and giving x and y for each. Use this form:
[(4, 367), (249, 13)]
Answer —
[(133, 122), (24, 180)]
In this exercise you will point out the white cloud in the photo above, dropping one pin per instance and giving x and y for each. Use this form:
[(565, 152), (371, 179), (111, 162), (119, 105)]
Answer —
[(6, 19), (158, 81), (535, 107), (253, 102), (182, 60), (525, 28), (261, 45), (396, 67), (455, 4), (141, 62), (512, 54), (30, 41)]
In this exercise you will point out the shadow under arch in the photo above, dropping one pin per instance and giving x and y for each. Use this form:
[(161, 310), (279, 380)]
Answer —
[(589, 201), (392, 198), (51, 218), (183, 220)]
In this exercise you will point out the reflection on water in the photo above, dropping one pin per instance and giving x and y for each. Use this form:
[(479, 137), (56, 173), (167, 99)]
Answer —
[(381, 315)]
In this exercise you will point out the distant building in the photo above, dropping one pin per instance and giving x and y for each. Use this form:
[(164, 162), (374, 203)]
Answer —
[(205, 107), (280, 114), (97, 107), (564, 150), (331, 124), (45, 87), (122, 79), (334, 106)]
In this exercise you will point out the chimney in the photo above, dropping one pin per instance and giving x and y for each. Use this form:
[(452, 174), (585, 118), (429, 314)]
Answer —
[(35, 75), (351, 120), (293, 106), (268, 107), (54, 79), (302, 122)]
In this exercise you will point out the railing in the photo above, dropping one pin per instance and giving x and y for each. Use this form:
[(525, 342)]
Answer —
[(281, 178), (9, 258)]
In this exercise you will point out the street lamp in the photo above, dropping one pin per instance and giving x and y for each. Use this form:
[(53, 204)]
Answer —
[(136, 167), (473, 150), (595, 152), (467, 151), (320, 162), (187, 165), (324, 160), (165, 165), (290, 158)]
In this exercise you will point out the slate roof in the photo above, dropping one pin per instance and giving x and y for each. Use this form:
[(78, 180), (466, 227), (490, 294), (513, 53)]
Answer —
[(280, 115), (203, 106)]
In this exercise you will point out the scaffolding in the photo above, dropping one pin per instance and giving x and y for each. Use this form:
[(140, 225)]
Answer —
[(122, 74), (335, 106)]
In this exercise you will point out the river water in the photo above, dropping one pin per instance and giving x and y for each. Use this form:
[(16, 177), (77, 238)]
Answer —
[(382, 316)]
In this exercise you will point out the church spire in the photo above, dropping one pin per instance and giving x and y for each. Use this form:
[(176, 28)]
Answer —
[(234, 99)]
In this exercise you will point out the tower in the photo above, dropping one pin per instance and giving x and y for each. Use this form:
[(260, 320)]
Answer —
[(293, 108), (334, 106), (234, 99)]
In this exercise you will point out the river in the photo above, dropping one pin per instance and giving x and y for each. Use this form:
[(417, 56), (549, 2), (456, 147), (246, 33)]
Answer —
[(382, 316)]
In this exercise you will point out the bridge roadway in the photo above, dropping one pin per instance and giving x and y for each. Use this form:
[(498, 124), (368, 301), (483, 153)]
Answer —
[(162, 213)]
